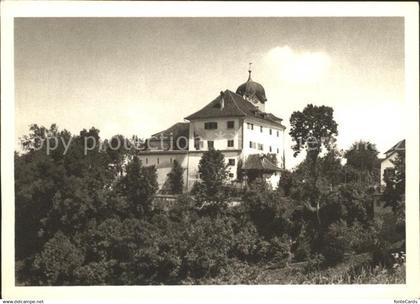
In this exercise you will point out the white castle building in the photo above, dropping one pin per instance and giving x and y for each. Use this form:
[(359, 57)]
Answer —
[(234, 123)]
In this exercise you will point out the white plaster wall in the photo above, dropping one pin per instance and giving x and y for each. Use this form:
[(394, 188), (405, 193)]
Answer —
[(273, 180), (220, 135), (386, 163), (264, 138), (165, 165)]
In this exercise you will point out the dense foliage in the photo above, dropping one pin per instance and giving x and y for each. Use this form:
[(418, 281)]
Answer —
[(87, 217)]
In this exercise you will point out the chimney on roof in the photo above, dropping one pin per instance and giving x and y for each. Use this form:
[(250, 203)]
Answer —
[(222, 100)]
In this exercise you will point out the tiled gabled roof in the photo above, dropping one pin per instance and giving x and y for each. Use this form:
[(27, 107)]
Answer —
[(229, 104), (399, 146), (259, 162), (176, 130)]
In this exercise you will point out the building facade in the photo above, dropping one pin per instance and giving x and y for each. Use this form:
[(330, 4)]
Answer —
[(390, 156), (235, 123)]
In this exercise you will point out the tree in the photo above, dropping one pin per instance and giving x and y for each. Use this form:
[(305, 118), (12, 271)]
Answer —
[(362, 156), (394, 193), (329, 170), (313, 129), (175, 178), (57, 261), (139, 186), (118, 148), (285, 182), (210, 191)]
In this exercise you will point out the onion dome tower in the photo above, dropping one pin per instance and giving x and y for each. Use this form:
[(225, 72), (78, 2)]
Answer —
[(252, 91)]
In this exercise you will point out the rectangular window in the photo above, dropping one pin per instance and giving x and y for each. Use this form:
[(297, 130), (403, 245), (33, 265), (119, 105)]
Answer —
[(271, 149), (260, 147), (230, 124), (230, 143), (210, 125), (271, 131), (158, 160), (261, 129), (231, 161), (278, 151), (278, 133), (250, 144), (252, 126), (210, 144), (231, 175), (198, 144), (147, 160)]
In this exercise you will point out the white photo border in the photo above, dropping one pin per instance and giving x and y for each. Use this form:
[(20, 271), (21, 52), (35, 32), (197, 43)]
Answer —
[(11, 10)]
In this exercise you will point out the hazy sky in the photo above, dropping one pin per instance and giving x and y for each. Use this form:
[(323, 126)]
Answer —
[(140, 75)]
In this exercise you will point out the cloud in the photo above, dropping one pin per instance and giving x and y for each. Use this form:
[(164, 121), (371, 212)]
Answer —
[(297, 67)]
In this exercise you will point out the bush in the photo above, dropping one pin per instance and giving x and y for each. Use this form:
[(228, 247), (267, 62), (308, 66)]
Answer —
[(361, 238), (302, 247), (276, 250), (56, 262), (334, 243), (206, 247), (92, 274), (245, 243), (269, 212)]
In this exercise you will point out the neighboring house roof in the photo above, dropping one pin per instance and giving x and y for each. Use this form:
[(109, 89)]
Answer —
[(259, 162), (400, 146), (229, 104), (170, 138), (176, 130)]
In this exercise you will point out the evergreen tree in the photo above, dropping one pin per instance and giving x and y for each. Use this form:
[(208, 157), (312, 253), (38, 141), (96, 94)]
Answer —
[(210, 192), (139, 186), (175, 178)]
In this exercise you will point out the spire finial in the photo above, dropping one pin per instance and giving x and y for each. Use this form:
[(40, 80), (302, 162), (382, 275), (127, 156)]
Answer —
[(249, 71)]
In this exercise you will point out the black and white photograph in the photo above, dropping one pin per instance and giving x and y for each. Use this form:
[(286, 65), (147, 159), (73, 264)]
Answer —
[(211, 150)]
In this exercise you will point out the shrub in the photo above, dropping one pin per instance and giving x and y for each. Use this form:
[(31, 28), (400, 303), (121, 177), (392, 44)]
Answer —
[(245, 243), (302, 247), (334, 243), (269, 212), (207, 244), (56, 262), (92, 274)]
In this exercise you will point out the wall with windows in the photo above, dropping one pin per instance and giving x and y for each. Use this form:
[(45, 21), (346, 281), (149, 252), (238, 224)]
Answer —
[(163, 161), (216, 133), (231, 159), (260, 137)]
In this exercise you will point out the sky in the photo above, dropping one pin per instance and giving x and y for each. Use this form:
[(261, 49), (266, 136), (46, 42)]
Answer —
[(140, 75)]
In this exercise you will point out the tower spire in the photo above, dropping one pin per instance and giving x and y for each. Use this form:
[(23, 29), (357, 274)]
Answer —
[(249, 71)]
